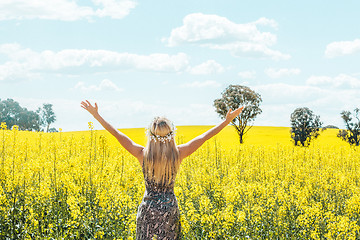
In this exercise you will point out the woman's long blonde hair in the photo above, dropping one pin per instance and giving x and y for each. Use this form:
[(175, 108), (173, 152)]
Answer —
[(161, 159)]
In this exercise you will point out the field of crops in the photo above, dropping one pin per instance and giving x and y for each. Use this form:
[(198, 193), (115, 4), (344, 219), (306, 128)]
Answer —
[(83, 185)]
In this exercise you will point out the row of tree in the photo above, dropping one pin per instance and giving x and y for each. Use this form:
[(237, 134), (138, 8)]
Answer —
[(305, 125), (13, 114)]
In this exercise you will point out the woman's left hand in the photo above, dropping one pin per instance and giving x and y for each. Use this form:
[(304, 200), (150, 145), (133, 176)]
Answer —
[(232, 114), (93, 110)]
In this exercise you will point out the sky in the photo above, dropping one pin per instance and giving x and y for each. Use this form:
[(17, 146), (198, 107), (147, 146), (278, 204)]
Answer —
[(141, 59)]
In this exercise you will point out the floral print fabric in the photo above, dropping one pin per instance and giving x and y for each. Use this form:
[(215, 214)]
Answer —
[(158, 215)]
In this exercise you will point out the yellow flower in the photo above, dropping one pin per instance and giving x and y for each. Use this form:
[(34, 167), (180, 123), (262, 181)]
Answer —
[(3, 125), (91, 125), (221, 190), (241, 216), (99, 234), (15, 128)]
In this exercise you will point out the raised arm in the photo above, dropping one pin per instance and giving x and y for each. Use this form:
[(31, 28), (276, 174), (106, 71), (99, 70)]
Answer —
[(133, 148), (191, 146)]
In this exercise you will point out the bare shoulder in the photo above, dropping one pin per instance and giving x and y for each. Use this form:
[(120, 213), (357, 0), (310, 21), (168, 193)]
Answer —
[(181, 149), (140, 156)]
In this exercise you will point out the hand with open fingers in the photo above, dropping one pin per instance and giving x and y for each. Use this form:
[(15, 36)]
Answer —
[(90, 108), (232, 114)]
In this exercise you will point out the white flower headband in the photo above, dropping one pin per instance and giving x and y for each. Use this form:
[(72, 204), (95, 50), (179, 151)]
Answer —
[(159, 138), (162, 139)]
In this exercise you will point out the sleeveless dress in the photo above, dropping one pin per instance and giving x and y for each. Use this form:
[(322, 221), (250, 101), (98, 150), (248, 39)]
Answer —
[(158, 215)]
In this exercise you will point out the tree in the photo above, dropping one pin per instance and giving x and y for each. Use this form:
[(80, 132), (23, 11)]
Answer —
[(352, 123), (331, 126), (28, 120), (47, 115), (305, 126), (53, 130), (235, 96), (9, 112), (13, 114)]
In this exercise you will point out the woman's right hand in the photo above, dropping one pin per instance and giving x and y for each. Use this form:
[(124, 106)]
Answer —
[(232, 114), (93, 110)]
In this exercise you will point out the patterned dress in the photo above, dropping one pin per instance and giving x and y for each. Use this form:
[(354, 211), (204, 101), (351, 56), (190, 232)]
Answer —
[(158, 215)]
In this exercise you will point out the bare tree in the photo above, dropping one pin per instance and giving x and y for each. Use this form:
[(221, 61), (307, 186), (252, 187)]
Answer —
[(352, 123), (235, 96)]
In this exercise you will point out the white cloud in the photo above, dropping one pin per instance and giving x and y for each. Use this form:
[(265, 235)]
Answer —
[(319, 80), (114, 8), (13, 70), (218, 32), (26, 61), (249, 49), (266, 22), (198, 27), (340, 81), (122, 113), (341, 48), (105, 85), (281, 93), (280, 100), (198, 84), (208, 67), (282, 72), (247, 74), (64, 10)]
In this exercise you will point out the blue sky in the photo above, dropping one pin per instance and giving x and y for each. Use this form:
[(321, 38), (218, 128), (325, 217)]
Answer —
[(140, 59)]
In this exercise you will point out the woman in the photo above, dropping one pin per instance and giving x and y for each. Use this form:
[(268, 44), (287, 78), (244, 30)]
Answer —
[(158, 214)]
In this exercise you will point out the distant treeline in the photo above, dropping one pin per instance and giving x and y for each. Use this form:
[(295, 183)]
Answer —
[(13, 114), (305, 125)]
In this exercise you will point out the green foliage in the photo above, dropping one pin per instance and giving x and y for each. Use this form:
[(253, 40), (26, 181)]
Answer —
[(234, 97), (15, 212), (352, 132), (47, 116), (13, 114), (305, 126), (53, 130)]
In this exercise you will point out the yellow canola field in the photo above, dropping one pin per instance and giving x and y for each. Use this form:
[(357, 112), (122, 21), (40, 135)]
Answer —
[(84, 185)]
